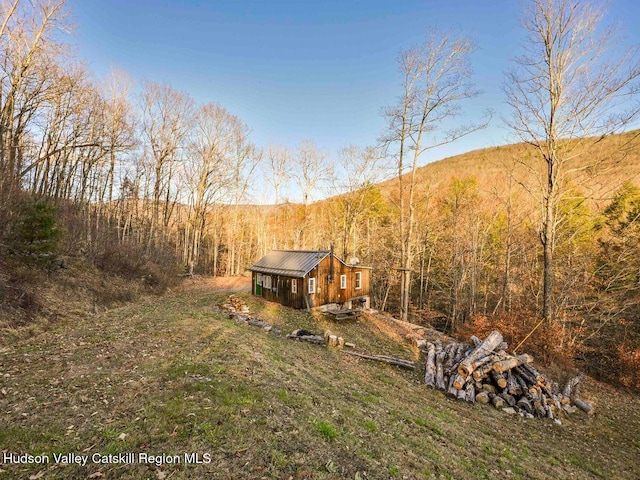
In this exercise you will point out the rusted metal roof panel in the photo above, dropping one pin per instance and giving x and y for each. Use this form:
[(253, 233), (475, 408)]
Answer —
[(289, 263)]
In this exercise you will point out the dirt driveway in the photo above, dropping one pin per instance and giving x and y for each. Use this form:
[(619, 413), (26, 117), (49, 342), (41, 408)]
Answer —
[(219, 284)]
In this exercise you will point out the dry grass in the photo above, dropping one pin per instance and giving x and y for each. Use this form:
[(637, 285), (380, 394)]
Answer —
[(175, 375)]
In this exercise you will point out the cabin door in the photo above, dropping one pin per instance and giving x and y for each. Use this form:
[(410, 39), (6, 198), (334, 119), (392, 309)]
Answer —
[(258, 284)]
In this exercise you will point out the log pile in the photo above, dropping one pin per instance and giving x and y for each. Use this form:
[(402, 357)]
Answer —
[(239, 311), (485, 373), (234, 304)]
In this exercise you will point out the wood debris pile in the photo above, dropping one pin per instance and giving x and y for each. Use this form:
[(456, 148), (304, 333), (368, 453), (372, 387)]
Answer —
[(485, 373), (239, 311), (328, 338), (234, 304)]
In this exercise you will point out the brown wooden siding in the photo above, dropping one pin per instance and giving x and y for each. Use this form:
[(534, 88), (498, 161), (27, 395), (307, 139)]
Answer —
[(326, 291)]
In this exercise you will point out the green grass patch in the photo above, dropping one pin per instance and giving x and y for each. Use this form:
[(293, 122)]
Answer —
[(371, 425), (326, 430)]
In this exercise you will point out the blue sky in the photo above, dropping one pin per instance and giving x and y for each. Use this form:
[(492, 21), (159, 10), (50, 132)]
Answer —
[(295, 70)]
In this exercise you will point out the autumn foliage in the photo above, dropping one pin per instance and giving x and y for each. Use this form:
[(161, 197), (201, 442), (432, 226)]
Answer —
[(549, 344)]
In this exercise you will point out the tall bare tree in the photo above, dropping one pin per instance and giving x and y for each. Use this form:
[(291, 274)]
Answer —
[(120, 124), (27, 51), (207, 172), (279, 164), (243, 162), (569, 84), (311, 172), (435, 79), (354, 180), (167, 118)]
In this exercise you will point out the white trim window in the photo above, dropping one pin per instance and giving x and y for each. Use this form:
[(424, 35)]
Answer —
[(358, 280), (312, 285), (266, 281), (294, 285), (343, 282), (259, 279)]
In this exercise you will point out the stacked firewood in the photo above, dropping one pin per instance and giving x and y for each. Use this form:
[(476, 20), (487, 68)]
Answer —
[(234, 304), (485, 373)]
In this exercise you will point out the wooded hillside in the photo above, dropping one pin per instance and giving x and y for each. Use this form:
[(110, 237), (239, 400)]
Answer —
[(142, 183)]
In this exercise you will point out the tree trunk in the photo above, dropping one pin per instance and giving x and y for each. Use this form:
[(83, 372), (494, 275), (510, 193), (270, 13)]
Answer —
[(430, 371), (486, 347)]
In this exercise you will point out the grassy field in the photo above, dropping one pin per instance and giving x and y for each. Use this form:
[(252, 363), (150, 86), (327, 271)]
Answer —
[(174, 375)]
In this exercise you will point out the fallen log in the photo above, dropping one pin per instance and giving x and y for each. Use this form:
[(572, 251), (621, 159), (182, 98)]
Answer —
[(459, 381), (523, 403), (257, 323), (468, 365), (571, 386), (451, 390), (460, 354), (513, 387), (525, 374), (384, 359), (440, 381), (534, 373), (499, 378), (470, 392), (482, 397), (462, 394), (584, 406), (488, 387), (497, 401), (509, 399), (450, 355), (315, 339), (512, 362), (484, 369), (524, 386), (430, 371), (419, 342)]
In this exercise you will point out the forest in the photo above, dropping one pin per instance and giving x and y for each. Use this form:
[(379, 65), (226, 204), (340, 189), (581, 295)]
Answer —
[(540, 239)]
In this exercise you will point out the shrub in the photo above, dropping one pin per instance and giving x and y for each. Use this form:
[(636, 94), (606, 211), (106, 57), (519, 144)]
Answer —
[(33, 233), (129, 261), (628, 362)]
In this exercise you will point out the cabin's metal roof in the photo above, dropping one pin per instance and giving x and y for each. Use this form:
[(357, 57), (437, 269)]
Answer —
[(289, 263)]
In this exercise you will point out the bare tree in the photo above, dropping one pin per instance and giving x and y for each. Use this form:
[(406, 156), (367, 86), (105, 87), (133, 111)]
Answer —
[(435, 78), (120, 124), (207, 173), (569, 84), (244, 160), (279, 160), (27, 54), (167, 116), (311, 172), (353, 183)]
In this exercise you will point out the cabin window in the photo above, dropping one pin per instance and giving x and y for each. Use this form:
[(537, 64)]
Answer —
[(358, 280), (266, 281), (312, 285), (343, 282), (294, 285), (258, 279)]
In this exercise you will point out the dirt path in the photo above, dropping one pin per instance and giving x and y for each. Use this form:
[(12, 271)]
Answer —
[(218, 284)]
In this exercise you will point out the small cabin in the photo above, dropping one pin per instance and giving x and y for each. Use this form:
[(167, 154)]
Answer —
[(310, 278)]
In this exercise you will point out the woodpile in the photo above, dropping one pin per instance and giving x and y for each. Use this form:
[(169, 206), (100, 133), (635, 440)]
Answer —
[(234, 304), (239, 311), (485, 373)]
